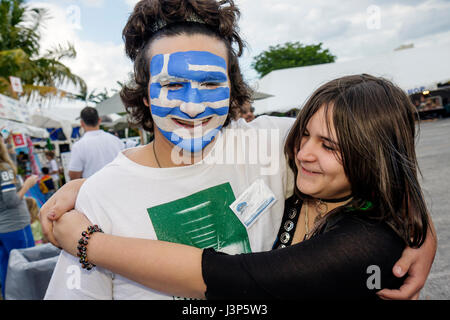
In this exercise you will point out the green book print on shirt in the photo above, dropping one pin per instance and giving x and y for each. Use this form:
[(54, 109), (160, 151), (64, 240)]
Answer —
[(202, 220)]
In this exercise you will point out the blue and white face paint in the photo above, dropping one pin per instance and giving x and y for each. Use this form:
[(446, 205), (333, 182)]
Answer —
[(189, 96)]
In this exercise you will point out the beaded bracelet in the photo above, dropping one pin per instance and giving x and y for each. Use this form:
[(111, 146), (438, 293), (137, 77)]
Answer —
[(82, 246)]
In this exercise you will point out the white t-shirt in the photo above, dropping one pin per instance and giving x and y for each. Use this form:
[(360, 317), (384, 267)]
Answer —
[(93, 151), (54, 167), (182, 204)]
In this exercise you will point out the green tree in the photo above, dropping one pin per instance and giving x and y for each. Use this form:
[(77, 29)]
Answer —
[(92, 97), (42, 74), (290, 55)]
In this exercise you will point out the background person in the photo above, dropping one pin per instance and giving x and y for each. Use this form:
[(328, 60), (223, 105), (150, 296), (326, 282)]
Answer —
[(46, 184), (36, 227), (53, 167), (15, 229), (23, 164), (11, 149), (95, 149), (248, 112)]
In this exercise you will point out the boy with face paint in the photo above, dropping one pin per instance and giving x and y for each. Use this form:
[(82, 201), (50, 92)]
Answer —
[(190, 96), (187, 89), (193, 90)]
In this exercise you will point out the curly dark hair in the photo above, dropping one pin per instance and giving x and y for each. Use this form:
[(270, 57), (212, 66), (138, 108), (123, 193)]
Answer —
[(154, 19)]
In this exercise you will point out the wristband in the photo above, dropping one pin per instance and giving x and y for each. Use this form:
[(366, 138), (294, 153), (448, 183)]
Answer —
[(82, 246)]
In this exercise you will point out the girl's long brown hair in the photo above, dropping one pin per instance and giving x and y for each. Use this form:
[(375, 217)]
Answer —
[(374, 121), (5, 158)]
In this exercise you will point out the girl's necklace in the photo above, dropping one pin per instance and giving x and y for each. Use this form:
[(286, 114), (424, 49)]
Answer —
[(154, 151), (321, 209)]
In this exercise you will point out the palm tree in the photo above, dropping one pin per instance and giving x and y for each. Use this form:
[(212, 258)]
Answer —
[(92, 97), (42, 74)]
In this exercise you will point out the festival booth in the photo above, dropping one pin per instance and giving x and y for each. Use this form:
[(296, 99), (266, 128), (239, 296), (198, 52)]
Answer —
[(30, 269), (418, 71), (58, 127), (62, 133), (15, 123)]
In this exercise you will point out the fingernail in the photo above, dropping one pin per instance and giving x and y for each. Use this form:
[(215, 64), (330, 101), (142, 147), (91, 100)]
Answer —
[(52, 215), (398, 270)]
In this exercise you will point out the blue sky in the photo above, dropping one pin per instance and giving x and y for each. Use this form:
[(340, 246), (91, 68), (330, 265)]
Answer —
[(351, 29)]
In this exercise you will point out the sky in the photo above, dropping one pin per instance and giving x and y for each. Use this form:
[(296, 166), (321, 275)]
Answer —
[(350, 29)]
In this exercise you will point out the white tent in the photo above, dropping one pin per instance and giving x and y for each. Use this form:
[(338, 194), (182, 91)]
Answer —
[(111, 105), (47, 119), (414, 70), (14, 116), (18, 127), (116, 122)]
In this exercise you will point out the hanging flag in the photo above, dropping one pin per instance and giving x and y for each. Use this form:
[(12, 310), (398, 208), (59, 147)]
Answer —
[(33, 164)]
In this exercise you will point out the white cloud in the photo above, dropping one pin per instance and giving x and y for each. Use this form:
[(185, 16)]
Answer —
[(100, 64), (131, 3), (341, 25)]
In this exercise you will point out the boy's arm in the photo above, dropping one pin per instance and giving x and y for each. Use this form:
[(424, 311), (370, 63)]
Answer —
[(69, 279)]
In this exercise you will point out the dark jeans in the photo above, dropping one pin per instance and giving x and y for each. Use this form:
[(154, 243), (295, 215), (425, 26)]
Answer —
[(12, 240)]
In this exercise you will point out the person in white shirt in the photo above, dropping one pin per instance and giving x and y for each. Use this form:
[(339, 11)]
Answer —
[(53, 167), (95, 149)]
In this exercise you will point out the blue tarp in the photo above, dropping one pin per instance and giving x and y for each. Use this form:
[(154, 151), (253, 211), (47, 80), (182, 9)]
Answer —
[(58, 134)]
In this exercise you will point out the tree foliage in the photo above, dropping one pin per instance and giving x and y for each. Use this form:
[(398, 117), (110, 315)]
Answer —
[(41, 74), (291, 55), (91, 97)]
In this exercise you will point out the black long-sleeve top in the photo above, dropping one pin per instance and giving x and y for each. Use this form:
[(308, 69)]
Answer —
[(343, 261)]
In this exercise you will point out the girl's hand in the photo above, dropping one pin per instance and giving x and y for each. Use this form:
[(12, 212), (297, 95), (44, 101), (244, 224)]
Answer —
[(67, 230), (30, 181), (61, 202)]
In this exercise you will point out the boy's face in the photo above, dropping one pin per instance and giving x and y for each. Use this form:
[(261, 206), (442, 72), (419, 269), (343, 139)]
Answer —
[(189, 89)]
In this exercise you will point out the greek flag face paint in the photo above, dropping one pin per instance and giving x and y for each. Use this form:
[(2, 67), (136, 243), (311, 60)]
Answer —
[(190, 95)]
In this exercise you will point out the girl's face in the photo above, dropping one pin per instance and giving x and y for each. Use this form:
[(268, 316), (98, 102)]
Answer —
[(189, 89), (320, 172)]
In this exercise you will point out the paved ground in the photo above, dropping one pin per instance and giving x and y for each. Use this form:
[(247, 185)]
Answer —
[(433, 151)]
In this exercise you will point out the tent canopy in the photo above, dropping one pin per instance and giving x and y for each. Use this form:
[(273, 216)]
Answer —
[(18, 127), (46, 119), (15, 117), (111, 105), (413, 70)]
